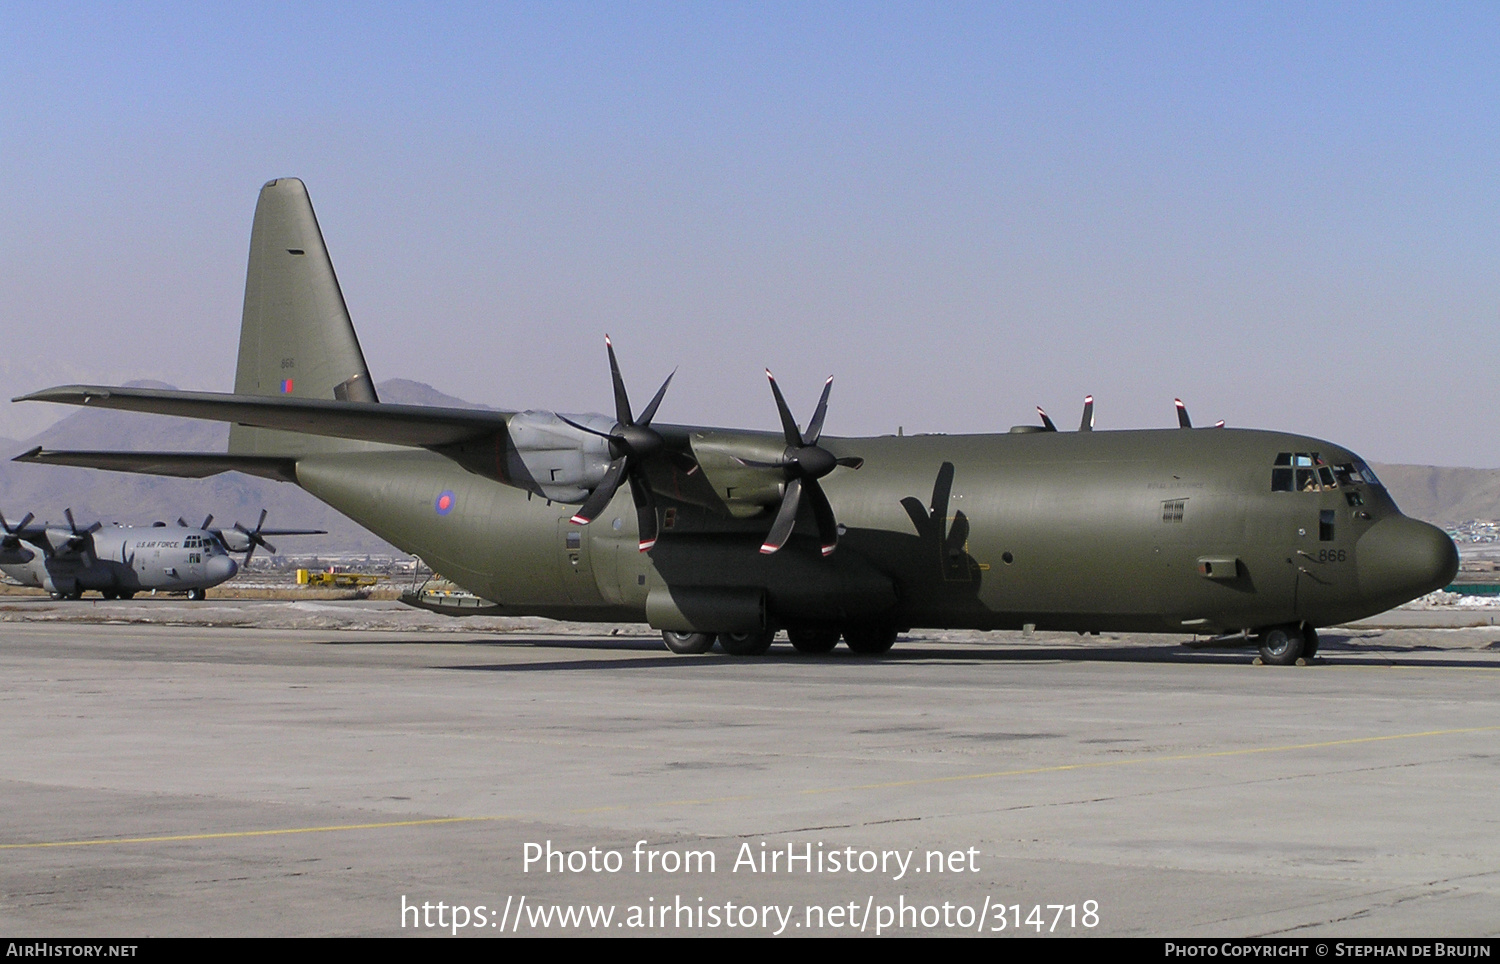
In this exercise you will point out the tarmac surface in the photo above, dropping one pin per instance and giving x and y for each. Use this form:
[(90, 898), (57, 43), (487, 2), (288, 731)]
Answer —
[(181, 769)]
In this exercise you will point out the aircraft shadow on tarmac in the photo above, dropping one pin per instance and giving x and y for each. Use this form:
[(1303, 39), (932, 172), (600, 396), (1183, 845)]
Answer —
[(1364, 649)]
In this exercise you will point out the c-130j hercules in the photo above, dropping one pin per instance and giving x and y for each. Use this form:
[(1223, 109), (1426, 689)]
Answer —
[(734, 534)]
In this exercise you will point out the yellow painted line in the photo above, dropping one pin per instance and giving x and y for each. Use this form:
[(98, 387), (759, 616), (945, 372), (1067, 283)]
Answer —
[(251, 833), (925, 781)]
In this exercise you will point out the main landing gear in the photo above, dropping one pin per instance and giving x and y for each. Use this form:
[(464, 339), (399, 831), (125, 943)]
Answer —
[(1288, 645), (864, 639)]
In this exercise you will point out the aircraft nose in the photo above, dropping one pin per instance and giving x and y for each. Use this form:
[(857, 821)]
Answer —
[(1400, 559), (221, 568)]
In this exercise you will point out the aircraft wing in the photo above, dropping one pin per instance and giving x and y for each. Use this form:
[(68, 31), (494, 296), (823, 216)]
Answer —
[(187, 465), (415, 425)]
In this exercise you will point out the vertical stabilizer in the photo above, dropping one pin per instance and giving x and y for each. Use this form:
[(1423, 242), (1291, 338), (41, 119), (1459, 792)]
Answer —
[(296, 338)]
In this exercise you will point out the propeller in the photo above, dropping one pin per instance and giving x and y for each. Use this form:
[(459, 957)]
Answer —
[(1087, 425), (1182, 417), (631, 442), (13, 532), (255, 538), (804, 462)]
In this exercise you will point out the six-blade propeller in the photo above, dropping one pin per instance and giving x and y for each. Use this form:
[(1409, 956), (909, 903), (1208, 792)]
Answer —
[(803, 462), (631, 443)]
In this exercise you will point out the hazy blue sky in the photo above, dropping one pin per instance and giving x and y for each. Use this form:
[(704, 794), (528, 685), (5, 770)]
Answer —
[(1288, 214)]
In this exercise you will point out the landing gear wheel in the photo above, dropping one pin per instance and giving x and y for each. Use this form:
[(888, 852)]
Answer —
[(747, 644), (76, 594), (127, 594), (870, 640), (813, 639), (109, 594), (197, 595), (1309, 643), (688, 644), (1281, 645)]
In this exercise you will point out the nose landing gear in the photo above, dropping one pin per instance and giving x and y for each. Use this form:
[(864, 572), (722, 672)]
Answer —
[(1288, 645)]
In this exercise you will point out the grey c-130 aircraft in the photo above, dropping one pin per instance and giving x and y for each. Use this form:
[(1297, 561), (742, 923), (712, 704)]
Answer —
[(119, 561), (734, 534)]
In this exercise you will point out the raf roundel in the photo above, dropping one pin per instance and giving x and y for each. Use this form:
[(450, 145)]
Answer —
[(444, 503)]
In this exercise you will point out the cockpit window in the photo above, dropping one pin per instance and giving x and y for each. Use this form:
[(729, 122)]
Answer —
[(1365, 473), (1308, 472)]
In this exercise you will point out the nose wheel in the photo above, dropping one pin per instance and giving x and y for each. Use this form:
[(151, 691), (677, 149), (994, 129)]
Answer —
[(1287, 645)]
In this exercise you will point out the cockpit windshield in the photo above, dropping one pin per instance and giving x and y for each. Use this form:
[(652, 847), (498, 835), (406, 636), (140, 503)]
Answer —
[(1309, 472)]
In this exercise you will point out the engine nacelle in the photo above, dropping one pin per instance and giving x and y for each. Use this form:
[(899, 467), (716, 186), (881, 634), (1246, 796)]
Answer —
[(548, 456)]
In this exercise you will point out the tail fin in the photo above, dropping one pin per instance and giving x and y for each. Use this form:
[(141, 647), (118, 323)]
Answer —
[(296, 338)]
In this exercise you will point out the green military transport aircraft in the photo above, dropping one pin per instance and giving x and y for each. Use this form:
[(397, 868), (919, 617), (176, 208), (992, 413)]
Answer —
[(732, 534)]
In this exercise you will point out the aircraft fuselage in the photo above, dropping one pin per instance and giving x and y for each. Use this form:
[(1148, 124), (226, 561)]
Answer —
[(1195, 531)]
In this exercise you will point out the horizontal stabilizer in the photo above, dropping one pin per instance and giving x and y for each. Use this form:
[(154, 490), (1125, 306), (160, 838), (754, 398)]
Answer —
[(414, 425), (187, 465)]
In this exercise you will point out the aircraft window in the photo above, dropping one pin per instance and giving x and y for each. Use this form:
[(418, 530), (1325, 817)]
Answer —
[(1326, 475), (1325, 525), (1303, 459), (575, 540), (1354, 499), (1284, 458), (1307, 480), (1172, 511), (1281, 480), (1365, 473)]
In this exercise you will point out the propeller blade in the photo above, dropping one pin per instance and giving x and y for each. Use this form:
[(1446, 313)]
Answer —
[(260, 524), (650, 411), (815, 427), (786, 517), (71, 524), (13, 530), (645, 508), (584, 428), (269, 548), (208, 520), (1087, 425), (1219, 423), (622, 400), (755, 464), (828, 526), (850, 462), (602, 494), (182, 522), (1182, 416), (788, 424), (1047, 425)]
